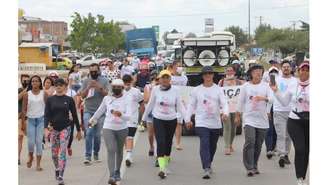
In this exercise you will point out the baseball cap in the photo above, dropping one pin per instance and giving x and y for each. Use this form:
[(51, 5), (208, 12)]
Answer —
[(117, 82), (53, 74), (207, 69), (304, 64), (164, 72)]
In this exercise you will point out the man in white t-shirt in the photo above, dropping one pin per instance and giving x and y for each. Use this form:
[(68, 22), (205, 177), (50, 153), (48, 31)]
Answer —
[(280, 113), (127, 69), (253, 99)]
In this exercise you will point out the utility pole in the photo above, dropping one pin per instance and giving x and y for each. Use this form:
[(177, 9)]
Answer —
[(261, 19), (249, 21)]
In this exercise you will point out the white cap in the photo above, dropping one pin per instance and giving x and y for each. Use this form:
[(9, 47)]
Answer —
[(235, 62), (53, 73), (117, 82)]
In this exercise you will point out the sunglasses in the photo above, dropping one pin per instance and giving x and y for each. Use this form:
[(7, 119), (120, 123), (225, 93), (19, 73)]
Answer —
[(103, 65)]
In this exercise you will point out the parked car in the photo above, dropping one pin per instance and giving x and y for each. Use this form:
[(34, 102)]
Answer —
[(88, 60)]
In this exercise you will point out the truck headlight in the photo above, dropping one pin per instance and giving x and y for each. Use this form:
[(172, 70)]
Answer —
[(223, 58), (189, 58), (207, 58)]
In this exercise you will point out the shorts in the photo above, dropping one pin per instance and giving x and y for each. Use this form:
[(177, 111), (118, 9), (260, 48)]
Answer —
[(132, 131)]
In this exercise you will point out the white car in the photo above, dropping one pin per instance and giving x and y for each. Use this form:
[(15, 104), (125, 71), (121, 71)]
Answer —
[(88, 60)]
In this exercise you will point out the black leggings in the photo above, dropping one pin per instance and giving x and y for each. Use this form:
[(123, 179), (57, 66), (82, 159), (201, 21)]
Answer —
[(299, 132), (164, 132), (71, 136)]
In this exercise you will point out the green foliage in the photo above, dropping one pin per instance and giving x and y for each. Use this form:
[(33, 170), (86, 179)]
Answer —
[(285, 40), (262, 29), (95, 35), (241, 37)]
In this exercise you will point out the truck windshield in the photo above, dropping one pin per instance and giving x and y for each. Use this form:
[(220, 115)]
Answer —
[(138, 44)]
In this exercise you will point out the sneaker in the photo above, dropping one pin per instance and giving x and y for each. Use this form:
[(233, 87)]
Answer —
[(162, 175), (282, 161), (128, 162), (167, 171), (117, 175), (250, 173), (61, 181), (256, 171), (156, 163), (287, 161), (151, 153), (111, 181), (69, 151), (96, 158), (300, 181), (87, 161), (269, 154), (56, 174), (207, 174), (211, 170)]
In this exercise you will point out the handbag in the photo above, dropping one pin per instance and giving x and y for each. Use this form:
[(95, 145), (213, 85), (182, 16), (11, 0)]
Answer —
[(303, 115)]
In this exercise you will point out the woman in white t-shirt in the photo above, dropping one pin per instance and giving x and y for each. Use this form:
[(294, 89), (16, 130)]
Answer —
[(298, 121), (75, 78), (229, 127), (164, 104), (179, 80)]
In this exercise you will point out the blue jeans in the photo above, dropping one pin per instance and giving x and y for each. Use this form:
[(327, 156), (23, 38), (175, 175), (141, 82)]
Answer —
[(208, 142), (35, 132), (76, 87), (93, 135)]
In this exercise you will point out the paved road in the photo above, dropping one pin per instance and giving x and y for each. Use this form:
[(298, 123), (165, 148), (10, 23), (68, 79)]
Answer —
[(186, 168)]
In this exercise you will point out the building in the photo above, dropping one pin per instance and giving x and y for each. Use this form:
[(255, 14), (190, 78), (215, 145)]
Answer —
[(42, 30)]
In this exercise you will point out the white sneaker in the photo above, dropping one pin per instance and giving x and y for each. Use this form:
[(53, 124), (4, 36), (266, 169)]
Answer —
[(300, 181), (167, 171)]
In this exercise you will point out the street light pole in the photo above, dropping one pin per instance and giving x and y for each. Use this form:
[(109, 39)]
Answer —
[(249, 21)]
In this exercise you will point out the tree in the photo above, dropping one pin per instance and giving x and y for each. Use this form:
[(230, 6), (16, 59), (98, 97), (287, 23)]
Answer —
[(95, 35), (262, 29), (241, 37), (305, 26), (285, 40), (191, 35)]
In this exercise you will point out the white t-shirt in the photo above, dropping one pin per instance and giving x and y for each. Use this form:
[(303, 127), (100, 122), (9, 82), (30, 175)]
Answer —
[(297, 97), (127, 70), (283, 85), (164, 105), (206, 103), (254, 112), (76, 78), (135, 96), (112, 122), (179, 80), (135, 63)]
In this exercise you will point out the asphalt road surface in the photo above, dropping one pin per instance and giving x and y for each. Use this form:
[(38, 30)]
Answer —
[(185, 167)]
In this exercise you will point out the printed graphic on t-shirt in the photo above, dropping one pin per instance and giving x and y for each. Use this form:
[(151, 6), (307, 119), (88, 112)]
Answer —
[(207, 103), (303, 102), (164, 106), (255, 104), (283, 86), (116, 119), (232, 95)]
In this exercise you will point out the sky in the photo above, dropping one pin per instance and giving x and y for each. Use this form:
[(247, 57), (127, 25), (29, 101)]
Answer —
[(184, 15)]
